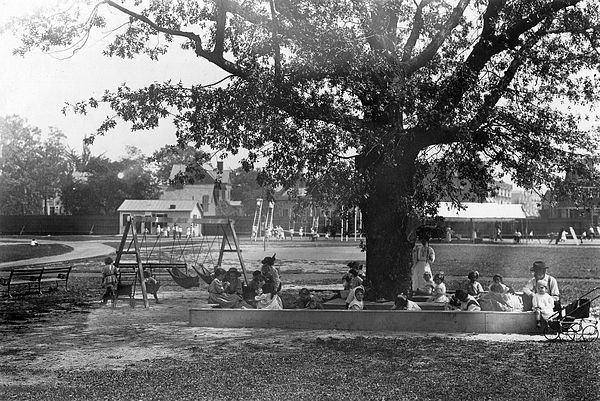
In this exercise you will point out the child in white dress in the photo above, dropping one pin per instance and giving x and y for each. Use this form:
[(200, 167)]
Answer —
[(269, 298), (439, 290), (543, 303)]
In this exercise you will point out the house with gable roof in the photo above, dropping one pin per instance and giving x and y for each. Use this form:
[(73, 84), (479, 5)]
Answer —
[(159, 214), (211, 189)]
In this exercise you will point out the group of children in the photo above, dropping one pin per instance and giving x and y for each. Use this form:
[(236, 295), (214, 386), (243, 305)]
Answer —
[(499, 296), (354, 282), (110, 282), (262, 292)]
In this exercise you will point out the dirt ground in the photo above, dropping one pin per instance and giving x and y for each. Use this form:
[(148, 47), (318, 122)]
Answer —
[(42, 334)]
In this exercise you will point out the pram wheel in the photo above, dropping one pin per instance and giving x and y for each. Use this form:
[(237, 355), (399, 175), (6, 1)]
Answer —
[(589, 333), (552, 330), (571, 331)]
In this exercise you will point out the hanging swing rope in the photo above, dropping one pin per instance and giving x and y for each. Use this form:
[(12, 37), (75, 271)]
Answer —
[(209, 252)]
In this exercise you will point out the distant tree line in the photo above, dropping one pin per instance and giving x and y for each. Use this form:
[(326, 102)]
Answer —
[(36, 166)]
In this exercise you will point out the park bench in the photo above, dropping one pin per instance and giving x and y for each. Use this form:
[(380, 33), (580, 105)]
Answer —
[(21, 277)]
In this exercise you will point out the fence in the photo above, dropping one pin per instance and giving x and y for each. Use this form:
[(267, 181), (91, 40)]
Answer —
[(109, 225), (59, 225)]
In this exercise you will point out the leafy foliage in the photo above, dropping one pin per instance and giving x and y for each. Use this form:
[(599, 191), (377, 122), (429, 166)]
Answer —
[(32, 166), (170, 155), (105, 184)]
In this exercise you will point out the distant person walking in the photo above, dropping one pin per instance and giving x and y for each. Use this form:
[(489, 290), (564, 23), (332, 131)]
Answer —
[(560, 235), (422, 255)]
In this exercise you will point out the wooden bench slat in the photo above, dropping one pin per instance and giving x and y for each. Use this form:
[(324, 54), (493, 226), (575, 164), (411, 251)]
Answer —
[(36, 276)]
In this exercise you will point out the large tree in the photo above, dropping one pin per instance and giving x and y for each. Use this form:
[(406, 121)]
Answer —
[(408, 98)]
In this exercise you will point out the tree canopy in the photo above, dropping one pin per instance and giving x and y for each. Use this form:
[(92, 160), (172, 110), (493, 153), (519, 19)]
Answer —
[(408, 99), (101, 185), (33, 166)]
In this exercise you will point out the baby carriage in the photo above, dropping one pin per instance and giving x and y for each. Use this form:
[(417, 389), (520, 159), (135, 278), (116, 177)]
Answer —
[(573, 322)]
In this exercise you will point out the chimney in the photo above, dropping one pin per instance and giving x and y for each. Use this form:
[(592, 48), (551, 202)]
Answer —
[(220, 167)]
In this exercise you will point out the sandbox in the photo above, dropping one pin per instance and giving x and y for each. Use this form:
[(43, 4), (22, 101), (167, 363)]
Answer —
[(432, 321)]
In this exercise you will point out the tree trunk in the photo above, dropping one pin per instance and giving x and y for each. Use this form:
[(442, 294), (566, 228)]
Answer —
[(389, 226)]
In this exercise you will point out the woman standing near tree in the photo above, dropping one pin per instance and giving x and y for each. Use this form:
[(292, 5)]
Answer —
[(422, 256)]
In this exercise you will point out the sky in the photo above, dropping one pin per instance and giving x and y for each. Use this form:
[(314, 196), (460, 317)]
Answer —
[(37, 86)]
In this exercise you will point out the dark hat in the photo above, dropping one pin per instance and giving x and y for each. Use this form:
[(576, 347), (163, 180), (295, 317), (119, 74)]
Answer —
[(538, 265), (108, 260), (219, 271), (256, 273), (269, 260), (235, 271), (354, 265)]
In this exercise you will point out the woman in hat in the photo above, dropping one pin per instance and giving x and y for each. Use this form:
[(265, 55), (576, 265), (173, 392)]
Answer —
[(235, 284), (270, 273), (217, 294), (422, 255), (539, 269)]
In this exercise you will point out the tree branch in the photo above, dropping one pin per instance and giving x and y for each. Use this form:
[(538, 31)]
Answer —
[(275, 39), (466, 75), (213, 57), (438, 40), (500, 88), (417, 26), (221, 19)]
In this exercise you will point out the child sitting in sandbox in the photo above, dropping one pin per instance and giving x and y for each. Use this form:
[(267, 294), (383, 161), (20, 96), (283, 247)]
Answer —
[(403, 303), (500, 299), (474, 287), (217, 294), (306, 300), (465, 302), (439, 290), (356, 297), (427, 288), (269, 298)]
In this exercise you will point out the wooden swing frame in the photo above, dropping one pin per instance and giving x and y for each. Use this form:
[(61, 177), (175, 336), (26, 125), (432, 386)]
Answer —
[(229, 244)]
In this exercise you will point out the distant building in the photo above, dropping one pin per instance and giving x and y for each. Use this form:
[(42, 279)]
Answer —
[(160, 214), (211, 188), (502, 193), (530, 200)]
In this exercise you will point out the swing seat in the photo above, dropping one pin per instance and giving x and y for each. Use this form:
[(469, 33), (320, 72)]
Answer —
[(182, 279), (204, 274)]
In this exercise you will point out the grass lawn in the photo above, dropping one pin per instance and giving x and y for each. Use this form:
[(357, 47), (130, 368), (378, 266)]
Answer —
[(12, 252)]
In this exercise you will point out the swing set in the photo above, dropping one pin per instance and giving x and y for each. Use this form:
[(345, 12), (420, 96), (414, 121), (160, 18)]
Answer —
[(177, 258)]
